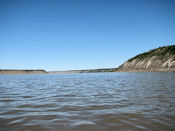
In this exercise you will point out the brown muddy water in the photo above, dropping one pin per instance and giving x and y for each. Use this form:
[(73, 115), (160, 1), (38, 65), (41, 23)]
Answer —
[(88, 102)]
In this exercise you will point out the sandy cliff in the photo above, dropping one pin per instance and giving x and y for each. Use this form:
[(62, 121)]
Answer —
[(160, 59)]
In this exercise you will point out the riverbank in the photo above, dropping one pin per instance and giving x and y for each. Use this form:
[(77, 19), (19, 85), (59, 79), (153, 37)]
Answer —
[(14, 72), (161, 59)]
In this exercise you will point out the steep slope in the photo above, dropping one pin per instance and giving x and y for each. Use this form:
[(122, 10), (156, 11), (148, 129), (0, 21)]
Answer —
[(160, 59)]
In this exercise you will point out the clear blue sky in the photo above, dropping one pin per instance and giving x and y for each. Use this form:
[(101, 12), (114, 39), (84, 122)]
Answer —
[(81, 34)]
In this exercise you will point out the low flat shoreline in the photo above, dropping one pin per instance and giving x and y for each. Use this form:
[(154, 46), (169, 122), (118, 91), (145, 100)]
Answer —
[(84, 71), (14, 72)]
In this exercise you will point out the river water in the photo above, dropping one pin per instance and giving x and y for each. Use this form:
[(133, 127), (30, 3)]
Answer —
[(88, 102)]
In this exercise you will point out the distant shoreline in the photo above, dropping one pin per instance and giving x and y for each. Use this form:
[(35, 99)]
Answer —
[(18, 72), (14, 72), (84, 71)]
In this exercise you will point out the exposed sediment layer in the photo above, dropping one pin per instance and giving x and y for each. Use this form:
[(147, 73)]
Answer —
[(161, 59)]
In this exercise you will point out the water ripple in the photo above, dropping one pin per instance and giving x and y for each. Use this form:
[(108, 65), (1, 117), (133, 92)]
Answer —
[(95, 101)]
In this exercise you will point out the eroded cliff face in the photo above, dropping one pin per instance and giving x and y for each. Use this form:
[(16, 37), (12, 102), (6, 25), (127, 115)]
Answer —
[(150, 63)]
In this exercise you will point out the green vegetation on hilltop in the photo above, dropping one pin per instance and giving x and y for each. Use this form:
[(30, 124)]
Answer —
[(161, 51)]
